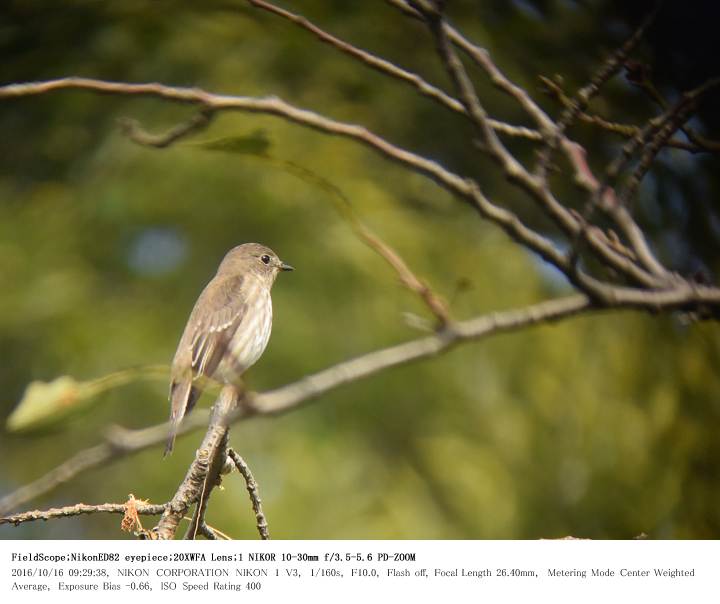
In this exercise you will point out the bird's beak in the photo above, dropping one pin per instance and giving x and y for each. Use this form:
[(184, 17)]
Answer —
[(286, 267)]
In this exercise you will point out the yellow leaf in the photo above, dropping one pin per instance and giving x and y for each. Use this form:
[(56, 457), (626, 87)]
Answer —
[(45, 403)]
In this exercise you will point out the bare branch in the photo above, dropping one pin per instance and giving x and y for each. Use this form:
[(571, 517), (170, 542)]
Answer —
[(624, 130), (308, 388), (607, 70), (467, 93), (252, 489), (207, 532), (269, 105), (379, 64), (132, 129), (637, 74), (407, 277), (78, 463), (436, 305), (673, 118), (79, 509), (204, 473), (516, 172), (464, 189), (562, 216), (482, 58), (603, 196), (120, 443), (390, 69)]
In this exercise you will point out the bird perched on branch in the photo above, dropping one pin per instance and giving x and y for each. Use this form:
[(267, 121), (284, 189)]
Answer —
[(228, 328)]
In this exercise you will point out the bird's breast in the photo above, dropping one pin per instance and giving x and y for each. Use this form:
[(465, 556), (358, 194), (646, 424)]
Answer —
[(250, 338)]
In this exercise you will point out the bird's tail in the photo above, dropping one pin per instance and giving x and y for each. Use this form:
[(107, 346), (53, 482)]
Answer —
[(183, 396)]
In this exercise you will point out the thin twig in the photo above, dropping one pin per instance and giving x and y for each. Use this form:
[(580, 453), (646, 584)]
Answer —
[(607, 70), (435, 304), (465, 189), (675, 116), (481, 57), (207, 532), (253, 491), (624, 130), (640, 77), (119, 444), (537, 188), (603, 196), (466, 90), (271, 105), (78, 509), (132, 129), (390, 69)]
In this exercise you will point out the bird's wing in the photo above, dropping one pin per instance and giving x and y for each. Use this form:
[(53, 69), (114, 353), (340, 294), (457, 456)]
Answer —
[(212, 324), (211, 333)]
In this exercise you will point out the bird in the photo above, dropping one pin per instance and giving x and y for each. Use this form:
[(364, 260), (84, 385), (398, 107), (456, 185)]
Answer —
[(228, 328)]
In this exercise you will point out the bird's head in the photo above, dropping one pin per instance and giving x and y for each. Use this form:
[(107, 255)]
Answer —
[(253, 258)]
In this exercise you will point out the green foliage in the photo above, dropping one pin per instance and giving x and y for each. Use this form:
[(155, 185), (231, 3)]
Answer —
[(604, 426)]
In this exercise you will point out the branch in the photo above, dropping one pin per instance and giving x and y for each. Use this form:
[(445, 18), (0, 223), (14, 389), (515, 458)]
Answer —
[(557, 211), (133, 130), (674, 118), (252, 489), (637, 74), (536, 187), (463, 188), (270, 105), (310, 387), (467, 93), (286, 398), (204, 473), (625, 130), (481, 57), (607, 70), (81, 508), (291, 396), (119, 444), (390, 69), (407, 277), (604, 197), (207, 532)]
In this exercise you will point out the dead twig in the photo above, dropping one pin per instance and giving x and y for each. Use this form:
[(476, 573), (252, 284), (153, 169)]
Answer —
[(253, 492)]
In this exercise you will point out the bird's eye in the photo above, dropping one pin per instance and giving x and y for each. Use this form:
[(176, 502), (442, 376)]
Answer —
[(265, 258)]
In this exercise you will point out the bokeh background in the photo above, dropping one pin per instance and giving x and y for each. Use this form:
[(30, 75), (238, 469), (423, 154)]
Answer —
[(604, 427)]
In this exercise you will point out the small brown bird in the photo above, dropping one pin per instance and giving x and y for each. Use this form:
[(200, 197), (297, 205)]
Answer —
[(228, 328)]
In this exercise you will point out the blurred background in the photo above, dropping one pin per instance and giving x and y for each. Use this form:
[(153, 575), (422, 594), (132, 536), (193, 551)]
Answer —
[(604, 426)]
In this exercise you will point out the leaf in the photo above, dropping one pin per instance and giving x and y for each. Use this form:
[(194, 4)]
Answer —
[(45, 403), (256, 143)]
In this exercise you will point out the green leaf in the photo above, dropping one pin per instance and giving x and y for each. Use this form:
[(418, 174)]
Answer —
[(256, 143), (46, 404)]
